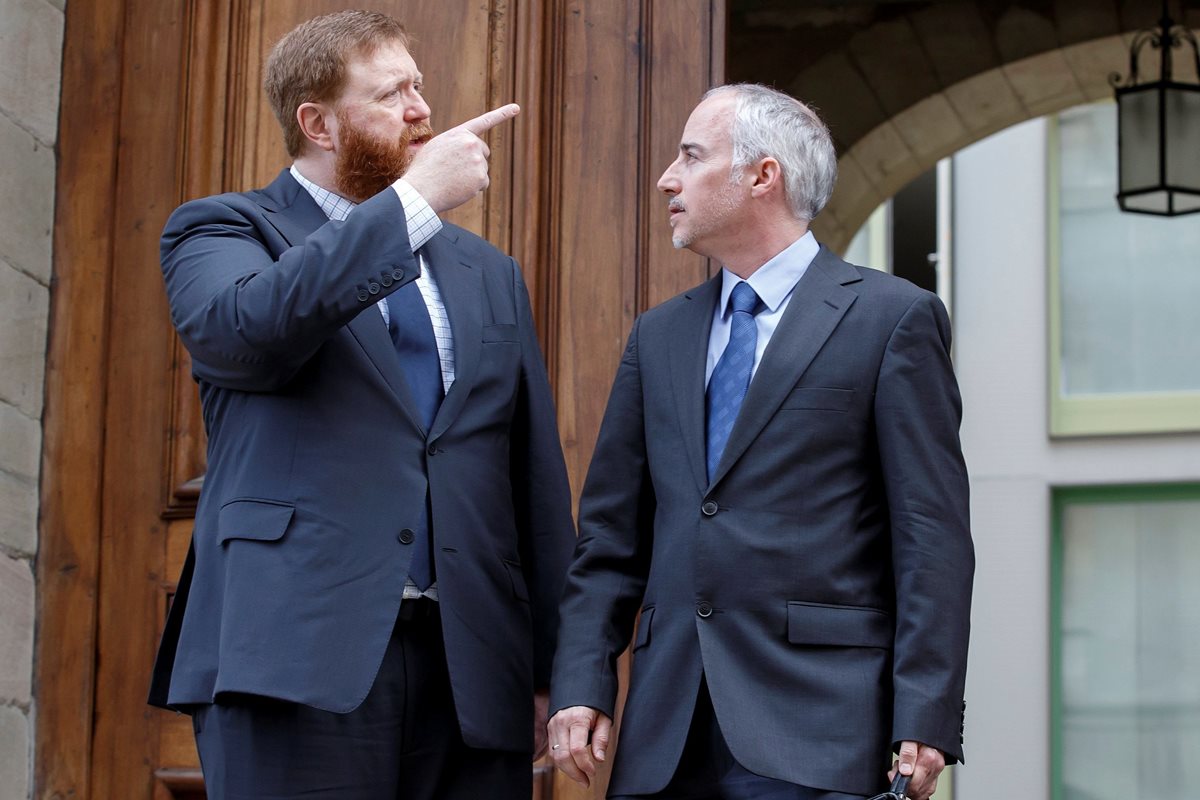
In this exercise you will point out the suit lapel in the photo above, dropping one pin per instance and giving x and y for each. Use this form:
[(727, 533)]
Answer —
[(818, 304), (461, 287), (689, 354), (292, 211), (369, 330)]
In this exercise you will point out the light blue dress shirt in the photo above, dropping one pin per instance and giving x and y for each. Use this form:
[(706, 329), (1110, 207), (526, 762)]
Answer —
[(774, 283)]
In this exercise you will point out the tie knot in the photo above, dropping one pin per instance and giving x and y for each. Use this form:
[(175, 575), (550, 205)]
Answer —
[(744, 298)]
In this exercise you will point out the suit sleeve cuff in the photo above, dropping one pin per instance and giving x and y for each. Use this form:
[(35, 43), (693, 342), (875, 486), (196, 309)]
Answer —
[(419, 216), (932, 726)]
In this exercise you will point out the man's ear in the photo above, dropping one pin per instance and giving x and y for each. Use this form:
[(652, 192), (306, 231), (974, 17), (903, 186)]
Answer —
[(765, 176), (318, 123)]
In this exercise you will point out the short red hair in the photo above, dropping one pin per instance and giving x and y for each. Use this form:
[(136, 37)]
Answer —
[(308, 65)]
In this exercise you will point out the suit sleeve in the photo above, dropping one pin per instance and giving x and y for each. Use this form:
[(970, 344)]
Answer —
[(541, 492), (250, 319), (918, 411), (607, 579)]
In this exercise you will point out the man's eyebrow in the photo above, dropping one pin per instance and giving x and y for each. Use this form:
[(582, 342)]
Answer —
[(401, 80), (693, 147)]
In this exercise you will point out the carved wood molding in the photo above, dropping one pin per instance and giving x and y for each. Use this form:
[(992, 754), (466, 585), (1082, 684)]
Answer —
[(213, 156), (76, 402), (179, 784)]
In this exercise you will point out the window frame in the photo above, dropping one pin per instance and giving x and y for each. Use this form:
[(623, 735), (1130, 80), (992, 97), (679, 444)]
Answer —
[(1060, 498), (1115, 414)]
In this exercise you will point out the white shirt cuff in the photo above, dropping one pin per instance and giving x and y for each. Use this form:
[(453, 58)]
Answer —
[(420, 217)]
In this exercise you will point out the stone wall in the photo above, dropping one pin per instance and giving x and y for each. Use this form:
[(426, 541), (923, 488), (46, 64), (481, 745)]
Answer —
[(31, 33)]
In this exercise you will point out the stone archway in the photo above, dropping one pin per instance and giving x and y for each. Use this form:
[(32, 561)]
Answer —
[(904, 84)]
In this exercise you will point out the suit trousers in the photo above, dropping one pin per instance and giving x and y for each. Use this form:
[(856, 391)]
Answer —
[(708, 771), (403, 742)]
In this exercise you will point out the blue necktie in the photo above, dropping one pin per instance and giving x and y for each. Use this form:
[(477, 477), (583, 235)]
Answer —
[(412, 334), (731, 377)]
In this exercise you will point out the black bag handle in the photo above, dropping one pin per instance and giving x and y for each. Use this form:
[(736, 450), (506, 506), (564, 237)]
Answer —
[(898, 790)]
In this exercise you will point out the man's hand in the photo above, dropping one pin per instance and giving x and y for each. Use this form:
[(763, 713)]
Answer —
[(922, 764), (541, 707), (569, 732), (452, 167)]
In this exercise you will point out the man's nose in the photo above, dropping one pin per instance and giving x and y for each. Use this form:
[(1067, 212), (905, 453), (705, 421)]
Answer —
[(418, 111), (667, 183)]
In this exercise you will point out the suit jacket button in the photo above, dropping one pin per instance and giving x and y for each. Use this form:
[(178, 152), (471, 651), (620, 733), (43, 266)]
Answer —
[(432, 449), (386, 280), (398, 274), (373, 287), (704, 609), (406, 536), (363, 295), (709, 509)]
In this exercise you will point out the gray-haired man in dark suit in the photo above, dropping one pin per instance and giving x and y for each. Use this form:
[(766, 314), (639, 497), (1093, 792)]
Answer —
[(778, 487)]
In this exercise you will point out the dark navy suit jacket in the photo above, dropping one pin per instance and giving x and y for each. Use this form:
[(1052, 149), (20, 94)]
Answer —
[(317, 462), (821, 581)]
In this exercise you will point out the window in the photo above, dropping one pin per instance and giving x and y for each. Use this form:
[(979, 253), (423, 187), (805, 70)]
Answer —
[(1125, 335), (908, 234), (1126, 643)]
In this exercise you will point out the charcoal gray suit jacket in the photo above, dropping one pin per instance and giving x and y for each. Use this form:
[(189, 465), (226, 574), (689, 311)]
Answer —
[(821, 581), (318, 463)]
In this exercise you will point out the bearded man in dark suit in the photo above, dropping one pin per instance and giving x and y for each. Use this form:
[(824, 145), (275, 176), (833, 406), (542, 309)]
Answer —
[(370, 606)]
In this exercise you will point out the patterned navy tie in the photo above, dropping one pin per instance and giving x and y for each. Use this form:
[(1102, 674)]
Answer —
[(729, 381), (412, 334)]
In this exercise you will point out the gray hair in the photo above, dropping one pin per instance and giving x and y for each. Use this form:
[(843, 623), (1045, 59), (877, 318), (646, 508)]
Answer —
[(767, 122)]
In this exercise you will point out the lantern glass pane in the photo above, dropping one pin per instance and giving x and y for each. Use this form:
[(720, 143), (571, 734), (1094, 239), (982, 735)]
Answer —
[(1150, 201), (1183, 139), (1186, 202), (1138, 115)]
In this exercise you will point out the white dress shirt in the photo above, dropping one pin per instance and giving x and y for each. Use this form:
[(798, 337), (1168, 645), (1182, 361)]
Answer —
[(774, 282)]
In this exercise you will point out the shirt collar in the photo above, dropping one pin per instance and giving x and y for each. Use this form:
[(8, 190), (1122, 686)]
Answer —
[(776, 279), (334, 205)]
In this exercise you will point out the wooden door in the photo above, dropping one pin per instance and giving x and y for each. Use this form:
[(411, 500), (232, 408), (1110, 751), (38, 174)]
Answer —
[(161, 103)]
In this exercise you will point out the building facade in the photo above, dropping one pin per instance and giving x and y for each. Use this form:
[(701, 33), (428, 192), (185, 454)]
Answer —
[(31, 34), (111, 113)]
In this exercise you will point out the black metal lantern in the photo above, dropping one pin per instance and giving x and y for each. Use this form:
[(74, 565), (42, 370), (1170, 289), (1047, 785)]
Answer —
[(1158, 129)]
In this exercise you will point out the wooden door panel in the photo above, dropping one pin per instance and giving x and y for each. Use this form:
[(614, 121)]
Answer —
[(604, 88), (628, 76), (132, 532)]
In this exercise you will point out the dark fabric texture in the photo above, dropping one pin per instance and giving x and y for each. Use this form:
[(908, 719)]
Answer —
[(401, 743), (320, 463), (708, 771), (821, 578)]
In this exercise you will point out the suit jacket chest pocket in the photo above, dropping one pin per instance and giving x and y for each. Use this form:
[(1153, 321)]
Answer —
[(499, 362), (814, 398), (501, 332)]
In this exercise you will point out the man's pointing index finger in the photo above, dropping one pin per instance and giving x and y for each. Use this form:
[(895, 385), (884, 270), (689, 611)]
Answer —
[(489, 120)]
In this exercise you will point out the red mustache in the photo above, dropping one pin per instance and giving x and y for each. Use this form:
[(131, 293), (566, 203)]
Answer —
[(418, 133)]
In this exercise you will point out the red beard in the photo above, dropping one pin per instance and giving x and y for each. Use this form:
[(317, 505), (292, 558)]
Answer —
[(367, 165)]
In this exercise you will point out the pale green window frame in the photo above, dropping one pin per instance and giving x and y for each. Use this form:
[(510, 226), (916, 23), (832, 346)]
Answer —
[(1106, 414), (1062, 497)]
